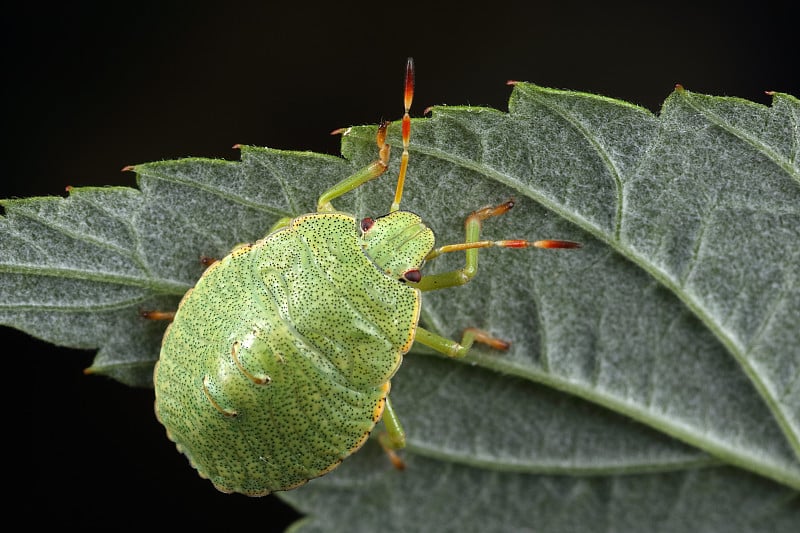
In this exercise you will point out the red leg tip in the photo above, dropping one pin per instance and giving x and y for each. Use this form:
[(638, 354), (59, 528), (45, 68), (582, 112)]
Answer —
[(557, 244)]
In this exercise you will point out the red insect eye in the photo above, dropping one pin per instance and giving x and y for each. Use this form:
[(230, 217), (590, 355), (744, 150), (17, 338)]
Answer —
[(366, 223), (412, 275)]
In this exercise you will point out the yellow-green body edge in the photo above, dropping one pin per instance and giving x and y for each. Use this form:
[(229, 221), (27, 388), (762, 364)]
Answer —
[(277, 364)]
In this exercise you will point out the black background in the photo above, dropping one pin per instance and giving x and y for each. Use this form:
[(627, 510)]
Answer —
[(89, 90)]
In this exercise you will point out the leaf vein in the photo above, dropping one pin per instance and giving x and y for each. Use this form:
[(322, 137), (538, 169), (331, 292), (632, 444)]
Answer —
[(220, 193), (283, 182), (785, 164), (599, 149), (115, 306), (156, 286), (133, 235)]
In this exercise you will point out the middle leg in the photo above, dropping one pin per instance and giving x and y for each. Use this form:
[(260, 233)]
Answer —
[(471, 245)]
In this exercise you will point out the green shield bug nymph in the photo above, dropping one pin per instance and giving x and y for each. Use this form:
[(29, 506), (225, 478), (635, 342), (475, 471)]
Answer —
[(277, 364)]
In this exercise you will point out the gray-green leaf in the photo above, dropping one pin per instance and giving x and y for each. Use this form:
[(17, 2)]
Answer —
[(666, 346)]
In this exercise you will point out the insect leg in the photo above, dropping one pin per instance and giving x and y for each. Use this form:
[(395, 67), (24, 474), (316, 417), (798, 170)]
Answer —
[(472, 244), (157, 315), (455, 349), (281, 223), (375, 169), (169, 316), (395, 436)]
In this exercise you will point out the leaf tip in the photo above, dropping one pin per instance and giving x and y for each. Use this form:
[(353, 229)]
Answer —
[(341, 131), (237, 146), (679, 88), (428, 110), (512, 82), (128, 168), (770, 93)]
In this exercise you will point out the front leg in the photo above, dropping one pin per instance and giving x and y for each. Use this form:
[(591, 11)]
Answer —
[(374, 170)]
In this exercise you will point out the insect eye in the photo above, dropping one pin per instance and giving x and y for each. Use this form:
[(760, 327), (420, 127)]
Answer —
[(366, 223), (413, 275)]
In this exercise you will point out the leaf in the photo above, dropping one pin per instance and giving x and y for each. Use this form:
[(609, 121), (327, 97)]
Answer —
[(666, 345)]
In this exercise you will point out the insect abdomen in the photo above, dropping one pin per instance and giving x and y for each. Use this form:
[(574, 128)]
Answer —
[(277, 364)]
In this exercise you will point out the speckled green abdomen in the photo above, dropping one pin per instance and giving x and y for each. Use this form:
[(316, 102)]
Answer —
[(277, 364)]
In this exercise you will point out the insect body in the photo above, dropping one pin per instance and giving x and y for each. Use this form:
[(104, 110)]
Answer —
[(277, 364)]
